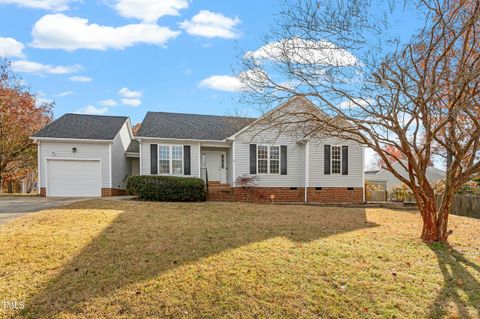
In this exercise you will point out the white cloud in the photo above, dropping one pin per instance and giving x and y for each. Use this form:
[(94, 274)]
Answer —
[(304, 52), (222, 83), (77, 33), (211, 25), (127, 93), (39, 68), (131, 102), (149, 10), (80, 78), (91, 109), (9, 47), (228, 83), (109, 102), (66, 93), (55, 5), (349, 104)]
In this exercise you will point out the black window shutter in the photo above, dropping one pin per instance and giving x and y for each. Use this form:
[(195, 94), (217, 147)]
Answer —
[(153, 159), (344, 160), (326, 162), (283, 159), (186, 160), (253, 158)]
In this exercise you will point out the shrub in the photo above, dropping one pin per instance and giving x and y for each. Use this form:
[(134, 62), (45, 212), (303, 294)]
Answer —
[(167, 188)]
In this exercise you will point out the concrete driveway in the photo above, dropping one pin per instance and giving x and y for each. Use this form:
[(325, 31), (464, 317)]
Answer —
[(13, 207)]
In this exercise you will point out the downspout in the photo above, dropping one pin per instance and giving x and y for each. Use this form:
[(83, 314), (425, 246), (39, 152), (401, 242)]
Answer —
[(39, 154), (307, 169), (140, 158), (363, 173), (200, 161), (233, 163)]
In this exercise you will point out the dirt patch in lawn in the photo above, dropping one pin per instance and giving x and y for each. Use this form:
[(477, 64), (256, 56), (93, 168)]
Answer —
[(107, 259)]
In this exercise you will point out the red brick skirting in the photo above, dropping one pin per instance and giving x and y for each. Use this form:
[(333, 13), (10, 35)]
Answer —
[(106, 192), (325, 195), (109, 192)]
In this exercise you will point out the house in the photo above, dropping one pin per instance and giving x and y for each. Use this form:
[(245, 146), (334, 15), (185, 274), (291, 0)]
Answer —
[(288, 166), (385, 180), (84, 155)]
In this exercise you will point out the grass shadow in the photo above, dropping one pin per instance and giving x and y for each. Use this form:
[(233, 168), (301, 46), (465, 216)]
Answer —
[(148, 239), (461, 287)]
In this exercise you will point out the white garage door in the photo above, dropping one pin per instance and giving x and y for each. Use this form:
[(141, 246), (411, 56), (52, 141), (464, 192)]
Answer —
[(73, 178)]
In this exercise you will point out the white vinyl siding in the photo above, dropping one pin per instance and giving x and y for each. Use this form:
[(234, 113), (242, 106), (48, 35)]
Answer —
[(85, 151), (145, 156), (120, 165), (295, 158), (317, 177), (388, 179)]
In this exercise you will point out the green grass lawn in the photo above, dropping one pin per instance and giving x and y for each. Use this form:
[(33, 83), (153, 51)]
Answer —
[(116, 259)]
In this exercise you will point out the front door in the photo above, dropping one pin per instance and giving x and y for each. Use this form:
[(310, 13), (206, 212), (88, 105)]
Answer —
[(216, 164)]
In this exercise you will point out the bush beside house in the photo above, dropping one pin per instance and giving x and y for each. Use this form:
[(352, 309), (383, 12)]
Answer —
[(167, 188)]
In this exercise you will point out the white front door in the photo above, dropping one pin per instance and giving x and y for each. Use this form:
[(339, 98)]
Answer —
[(216, 164)]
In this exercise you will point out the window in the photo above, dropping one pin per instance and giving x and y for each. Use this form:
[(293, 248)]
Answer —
[(262, 155), (336, 159), (274, 159), (268, 159), (170, 159), (164, 159), (177, 160)]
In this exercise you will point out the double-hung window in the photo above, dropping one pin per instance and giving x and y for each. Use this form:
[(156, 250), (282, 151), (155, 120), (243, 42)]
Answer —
[(336, 159), (268, 159), (164, 159), (170, 159)]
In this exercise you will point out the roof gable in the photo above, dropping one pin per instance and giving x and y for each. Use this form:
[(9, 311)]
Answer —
[(81, 126), (190, 126)]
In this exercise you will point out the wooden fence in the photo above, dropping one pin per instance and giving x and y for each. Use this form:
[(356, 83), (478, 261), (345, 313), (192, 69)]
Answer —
[(375, 196), (464, 205)]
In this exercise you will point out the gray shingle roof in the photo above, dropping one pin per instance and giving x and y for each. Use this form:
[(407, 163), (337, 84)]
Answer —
[(134, 147), (191, 126), (80, 126)]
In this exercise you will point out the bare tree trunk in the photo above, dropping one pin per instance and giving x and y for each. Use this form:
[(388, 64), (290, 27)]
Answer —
[(429, 216), (442, 224)]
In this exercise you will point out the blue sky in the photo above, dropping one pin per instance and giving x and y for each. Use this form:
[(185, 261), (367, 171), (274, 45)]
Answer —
[(127, 57), (140, 58)]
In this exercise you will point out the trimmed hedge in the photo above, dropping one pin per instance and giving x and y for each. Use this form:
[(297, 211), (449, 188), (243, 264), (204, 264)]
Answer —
[(167, 188)]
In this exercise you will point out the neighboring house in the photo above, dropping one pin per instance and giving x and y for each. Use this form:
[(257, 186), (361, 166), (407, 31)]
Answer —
[(387, 181), (84, 155), (288, 166)]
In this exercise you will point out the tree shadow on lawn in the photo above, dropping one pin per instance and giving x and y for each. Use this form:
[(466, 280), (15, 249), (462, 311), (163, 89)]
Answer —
[(461, 288), (148, 239)]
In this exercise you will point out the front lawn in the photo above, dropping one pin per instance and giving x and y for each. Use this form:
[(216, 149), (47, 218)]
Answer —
[(114, 259)]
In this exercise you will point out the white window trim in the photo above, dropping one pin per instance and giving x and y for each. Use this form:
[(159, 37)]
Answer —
[(170, 159), (268, 159), (331, 159)]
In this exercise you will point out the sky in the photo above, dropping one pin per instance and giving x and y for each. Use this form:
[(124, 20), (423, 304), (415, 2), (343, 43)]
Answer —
[(127, 57)]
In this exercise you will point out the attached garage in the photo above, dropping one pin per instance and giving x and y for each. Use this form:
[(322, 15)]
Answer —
[(83, 156), (81, 178)]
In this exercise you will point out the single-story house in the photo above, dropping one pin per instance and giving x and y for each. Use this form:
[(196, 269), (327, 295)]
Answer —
[(90, 155), (385, 180)]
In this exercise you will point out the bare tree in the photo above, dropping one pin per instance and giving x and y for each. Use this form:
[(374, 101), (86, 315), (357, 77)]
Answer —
[(417, 96)]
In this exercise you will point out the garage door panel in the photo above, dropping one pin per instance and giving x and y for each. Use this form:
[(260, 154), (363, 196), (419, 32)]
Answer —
[(73, 178)]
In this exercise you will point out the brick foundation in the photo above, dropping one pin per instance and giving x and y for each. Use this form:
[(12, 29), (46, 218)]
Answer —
[(43, 192), (109, 192), (327, 195)]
